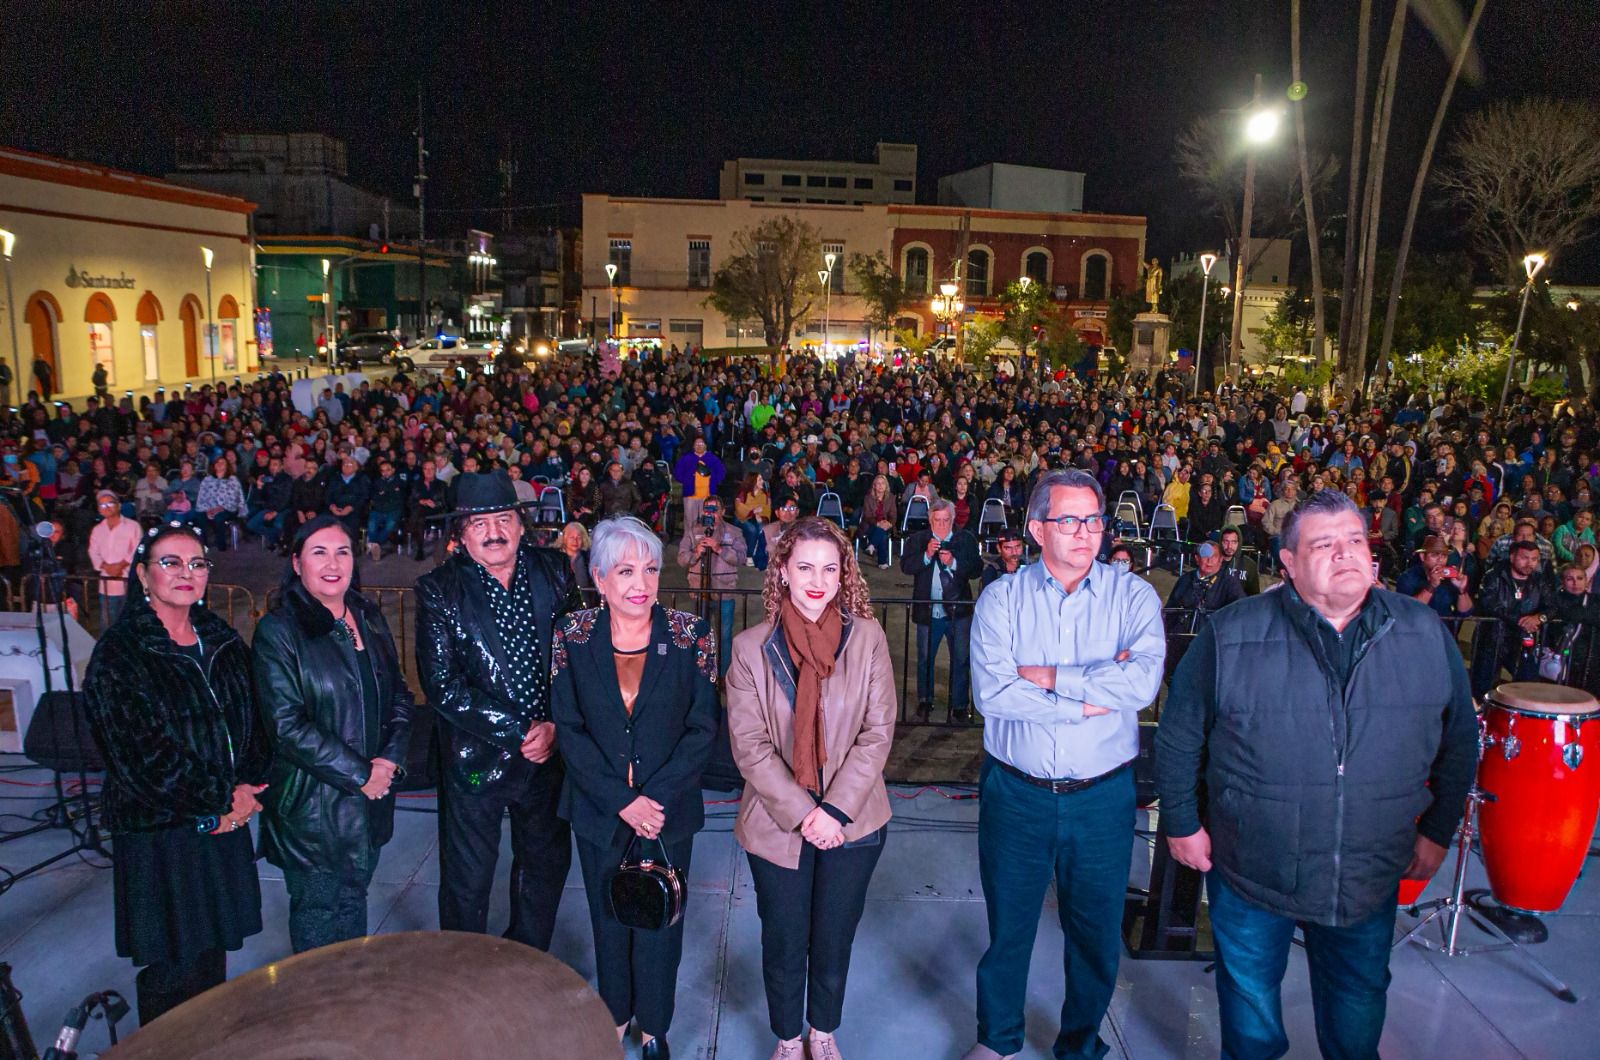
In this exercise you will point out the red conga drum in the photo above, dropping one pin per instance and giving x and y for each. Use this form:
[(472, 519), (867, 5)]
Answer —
[(1541, 763), (1411, 890)]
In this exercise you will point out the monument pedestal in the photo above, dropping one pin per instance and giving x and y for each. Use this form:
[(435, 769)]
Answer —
[(1151, 334)]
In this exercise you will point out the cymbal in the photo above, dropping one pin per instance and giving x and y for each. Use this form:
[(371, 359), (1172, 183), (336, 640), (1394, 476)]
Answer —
[(418, 994)]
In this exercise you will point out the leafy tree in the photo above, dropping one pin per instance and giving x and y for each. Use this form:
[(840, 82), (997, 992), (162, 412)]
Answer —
[(1120, 312), (1062, 346), (915, 345), (880, 288), (1025, 307), (1181, 302), (1283, 334), (770, 276), (983, 335)]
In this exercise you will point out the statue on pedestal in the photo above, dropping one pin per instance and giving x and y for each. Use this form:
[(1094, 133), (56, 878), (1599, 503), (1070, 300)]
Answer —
[(1153, 277)]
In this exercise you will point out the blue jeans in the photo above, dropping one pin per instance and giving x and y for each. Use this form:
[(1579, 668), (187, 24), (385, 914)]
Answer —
[(110, 607), (267, 531), (878, 538), (959, 633), (755, 542), (1084, 840), (1349, 978), (380, 525)]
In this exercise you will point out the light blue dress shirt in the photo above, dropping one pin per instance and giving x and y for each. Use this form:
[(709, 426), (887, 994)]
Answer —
[(1028, 619), (936, 583)]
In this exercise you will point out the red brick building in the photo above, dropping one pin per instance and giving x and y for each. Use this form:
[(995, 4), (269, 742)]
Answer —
[(1082, 259)]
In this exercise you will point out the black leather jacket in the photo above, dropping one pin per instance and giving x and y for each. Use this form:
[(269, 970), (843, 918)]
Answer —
[(177, 733), (308, 689), (1498, 596), (462, 663)]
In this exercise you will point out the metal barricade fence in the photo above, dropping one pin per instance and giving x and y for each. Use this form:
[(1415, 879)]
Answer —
[(234, 603)]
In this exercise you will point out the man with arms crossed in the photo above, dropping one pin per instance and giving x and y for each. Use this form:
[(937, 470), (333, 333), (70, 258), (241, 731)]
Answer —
[(1332, 721), (1065, 653)]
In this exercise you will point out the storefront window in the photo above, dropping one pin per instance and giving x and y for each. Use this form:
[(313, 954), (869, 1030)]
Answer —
[(101, 352), (152, 362), (225, 337)]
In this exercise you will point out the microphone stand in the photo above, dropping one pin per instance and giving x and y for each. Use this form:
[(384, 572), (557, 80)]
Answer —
[(45, 565)]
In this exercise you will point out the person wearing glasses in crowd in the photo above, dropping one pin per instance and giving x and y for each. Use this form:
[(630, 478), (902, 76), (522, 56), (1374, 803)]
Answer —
[(339, 712), (633, 694), (811, 713), (111, 546), (1064, 656), (169, 702), (485, 620)]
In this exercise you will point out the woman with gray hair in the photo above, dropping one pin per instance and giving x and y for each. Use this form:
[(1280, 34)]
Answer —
[(633, 695)]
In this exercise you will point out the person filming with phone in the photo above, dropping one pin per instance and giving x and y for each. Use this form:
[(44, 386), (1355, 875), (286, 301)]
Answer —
[(1433, 581)]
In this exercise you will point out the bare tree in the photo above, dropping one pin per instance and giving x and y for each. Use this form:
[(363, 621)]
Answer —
[(1527, 177), (1352, 206), (1463, 53), (770, 276)]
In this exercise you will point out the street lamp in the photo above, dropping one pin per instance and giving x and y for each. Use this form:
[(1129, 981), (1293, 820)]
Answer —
[(1207, 261), (826, 276), (1260, 127), (8, 243), (211, 338), (1531, 264), (611, 290), (327, 309)]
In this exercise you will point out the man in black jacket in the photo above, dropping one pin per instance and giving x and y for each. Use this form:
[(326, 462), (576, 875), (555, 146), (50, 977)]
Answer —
[(1310, 822), (429, 498), (943, 561), (485, 620), (269, 504), (1204, 587), (1512, 606)]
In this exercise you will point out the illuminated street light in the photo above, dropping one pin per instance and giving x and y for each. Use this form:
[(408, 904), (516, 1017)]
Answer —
[(211, 337), (1262, 125), (611, 310), (1531, 264), (825, 277), (8, 243), (1207, 261)]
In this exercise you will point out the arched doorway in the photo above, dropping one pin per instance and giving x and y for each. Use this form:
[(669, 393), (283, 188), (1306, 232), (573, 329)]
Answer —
[(43, 314), (228, 333), (99, 315), (189, 315), (149, 315)]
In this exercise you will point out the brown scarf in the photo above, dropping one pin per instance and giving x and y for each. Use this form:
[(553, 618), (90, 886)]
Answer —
[(813, 647)]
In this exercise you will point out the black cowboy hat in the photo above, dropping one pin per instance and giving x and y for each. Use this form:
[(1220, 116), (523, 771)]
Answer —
[(482, 493)]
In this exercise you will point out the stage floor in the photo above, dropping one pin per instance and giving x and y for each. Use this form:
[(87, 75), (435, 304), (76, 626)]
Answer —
[(911, 985)]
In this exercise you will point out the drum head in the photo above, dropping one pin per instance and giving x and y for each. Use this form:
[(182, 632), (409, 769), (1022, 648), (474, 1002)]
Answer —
[(1535, 697)]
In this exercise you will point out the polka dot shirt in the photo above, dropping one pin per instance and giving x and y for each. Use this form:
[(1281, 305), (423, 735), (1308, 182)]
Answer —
[(512, 610)]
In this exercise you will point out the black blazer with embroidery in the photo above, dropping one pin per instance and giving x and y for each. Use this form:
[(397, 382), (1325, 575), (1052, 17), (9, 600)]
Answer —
[(667, 738)]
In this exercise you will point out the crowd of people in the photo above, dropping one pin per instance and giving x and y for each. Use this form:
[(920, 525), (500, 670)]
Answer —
[(605, 737)]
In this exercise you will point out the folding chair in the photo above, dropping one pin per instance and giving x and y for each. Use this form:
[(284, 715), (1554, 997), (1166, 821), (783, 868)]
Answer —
[(829, 506), (552, 508), (1235, 516), (912, 519), (1164, 533), (1129, 500), (1126, 521), (991, 519)]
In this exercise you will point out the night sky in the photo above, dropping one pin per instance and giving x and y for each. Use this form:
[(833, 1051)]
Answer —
[(647, 101)]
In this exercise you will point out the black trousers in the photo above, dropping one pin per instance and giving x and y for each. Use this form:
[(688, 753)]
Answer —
[(469, 846), (328, 906), (166, 985), (637, 970), (809, 917)]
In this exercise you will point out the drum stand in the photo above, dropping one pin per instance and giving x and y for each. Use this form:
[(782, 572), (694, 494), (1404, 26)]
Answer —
[(1450, 909)]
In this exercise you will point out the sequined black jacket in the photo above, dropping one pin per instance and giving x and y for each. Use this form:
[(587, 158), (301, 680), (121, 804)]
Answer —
[(177, 733), (461, 662)]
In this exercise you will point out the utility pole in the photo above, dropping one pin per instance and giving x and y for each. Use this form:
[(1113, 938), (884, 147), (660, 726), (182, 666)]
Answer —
[(1235, 354), (963, 242), (422, 227)]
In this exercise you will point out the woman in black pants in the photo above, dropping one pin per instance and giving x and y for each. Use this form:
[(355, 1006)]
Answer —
[(811, 710), (634, 700), (333, 697), (170, 705)]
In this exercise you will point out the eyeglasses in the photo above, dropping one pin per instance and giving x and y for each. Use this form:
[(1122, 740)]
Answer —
[(1070, 524), (196, 566)]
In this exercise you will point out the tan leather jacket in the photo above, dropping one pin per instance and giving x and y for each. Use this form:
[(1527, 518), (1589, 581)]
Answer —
[(858, 702)]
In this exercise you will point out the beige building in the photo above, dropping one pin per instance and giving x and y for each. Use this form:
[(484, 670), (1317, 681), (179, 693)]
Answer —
[(1265, 284), (666, 250), (891, 177), (110, 268)]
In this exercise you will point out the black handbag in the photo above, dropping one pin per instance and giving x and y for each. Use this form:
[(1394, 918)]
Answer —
[(647, 894)]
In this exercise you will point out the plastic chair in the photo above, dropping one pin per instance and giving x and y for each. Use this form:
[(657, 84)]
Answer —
[(916, 504), (1164, 533), (991, 518), (1130, 498), (552, 507), (1235, 516)]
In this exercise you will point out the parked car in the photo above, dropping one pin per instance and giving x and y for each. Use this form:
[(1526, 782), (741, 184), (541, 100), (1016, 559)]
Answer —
[(445, 352), (367, 347)]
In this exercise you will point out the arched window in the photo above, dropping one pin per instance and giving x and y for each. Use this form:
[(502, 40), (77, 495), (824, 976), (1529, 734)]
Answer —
[(1096, 268), (916, 270), (149, 315), (228, 332), (189, 313), (1036, 266), (44, 317), (978, 261), (99, 315)]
